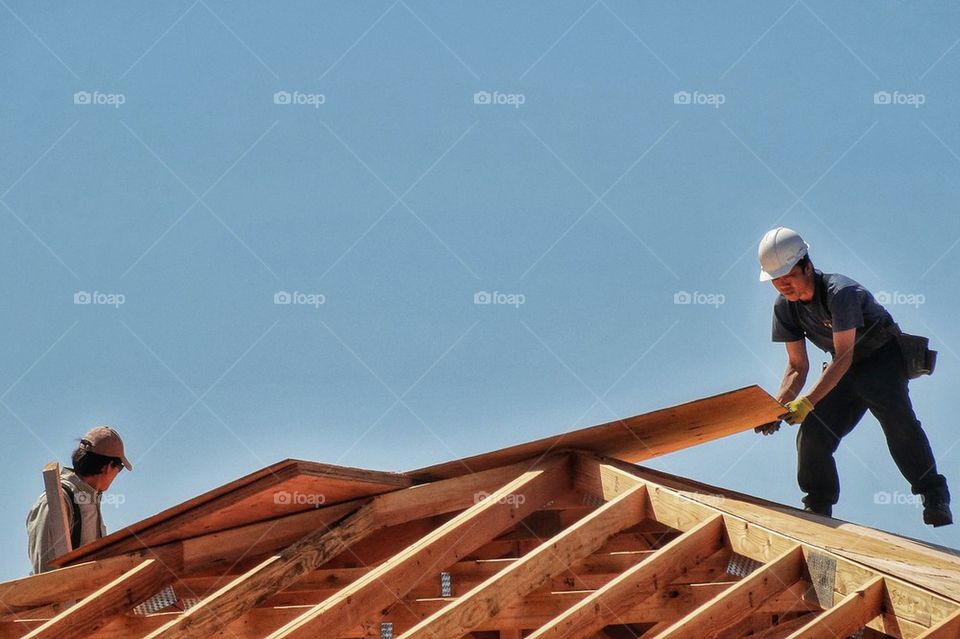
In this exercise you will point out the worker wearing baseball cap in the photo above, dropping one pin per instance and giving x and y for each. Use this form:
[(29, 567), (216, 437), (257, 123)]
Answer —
[(867, 372), (97, 461)]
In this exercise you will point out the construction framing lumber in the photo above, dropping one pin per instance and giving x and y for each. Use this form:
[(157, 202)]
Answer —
[(606, 605), (740, 600), (477, 525), (845, 618), (95, 610), (551, 558), (949, 628), (312, 551)]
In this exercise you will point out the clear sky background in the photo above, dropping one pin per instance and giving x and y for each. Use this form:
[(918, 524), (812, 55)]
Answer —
[(583, 192)]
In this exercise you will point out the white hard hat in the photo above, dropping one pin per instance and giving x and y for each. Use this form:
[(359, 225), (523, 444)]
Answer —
[(780, 249)]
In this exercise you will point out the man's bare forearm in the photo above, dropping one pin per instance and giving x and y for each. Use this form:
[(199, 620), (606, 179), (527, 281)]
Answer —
[(793, 380)]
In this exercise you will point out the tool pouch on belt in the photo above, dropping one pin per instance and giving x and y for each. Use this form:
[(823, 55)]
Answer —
[(918, 359)]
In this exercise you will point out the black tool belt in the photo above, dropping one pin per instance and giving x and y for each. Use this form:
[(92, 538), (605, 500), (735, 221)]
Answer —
[(918, 359)]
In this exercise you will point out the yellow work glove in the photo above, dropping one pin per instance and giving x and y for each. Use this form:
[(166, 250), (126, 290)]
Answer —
[(799, 409)]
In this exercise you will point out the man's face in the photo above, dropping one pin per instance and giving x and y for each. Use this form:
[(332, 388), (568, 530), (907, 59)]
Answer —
[(102, 480), (797, 285)]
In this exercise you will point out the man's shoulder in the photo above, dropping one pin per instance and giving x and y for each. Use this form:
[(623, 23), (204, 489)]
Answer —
[(836, 282)]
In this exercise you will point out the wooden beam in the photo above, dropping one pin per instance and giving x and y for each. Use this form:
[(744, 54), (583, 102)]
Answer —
[(468, 531), (784, 628), (551, 558), (949, 628), (313, 550), (741, 599), (57, 518), (852, 613), (94, 611), (26, 593), (606, 605)]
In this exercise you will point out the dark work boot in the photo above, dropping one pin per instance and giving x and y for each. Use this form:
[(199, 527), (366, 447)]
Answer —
[(821, 509), (936, 512)]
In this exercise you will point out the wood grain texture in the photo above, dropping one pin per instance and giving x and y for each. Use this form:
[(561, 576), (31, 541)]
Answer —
[(636, 438)]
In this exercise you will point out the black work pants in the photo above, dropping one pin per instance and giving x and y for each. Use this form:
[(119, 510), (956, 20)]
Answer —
[(878, 383)]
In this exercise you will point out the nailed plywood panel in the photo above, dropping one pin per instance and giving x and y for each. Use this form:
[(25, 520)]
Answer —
[(636, 438), (284, 488)]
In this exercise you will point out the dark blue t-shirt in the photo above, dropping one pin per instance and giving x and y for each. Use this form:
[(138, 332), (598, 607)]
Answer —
[(839, 303)]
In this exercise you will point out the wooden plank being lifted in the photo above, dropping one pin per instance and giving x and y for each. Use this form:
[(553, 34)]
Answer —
[(637, 438)]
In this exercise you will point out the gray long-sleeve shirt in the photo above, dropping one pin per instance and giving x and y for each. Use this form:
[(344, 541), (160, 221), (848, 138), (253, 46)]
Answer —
[(40, 535)]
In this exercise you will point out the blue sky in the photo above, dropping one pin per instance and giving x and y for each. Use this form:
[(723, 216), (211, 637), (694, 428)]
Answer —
[(388, 161)]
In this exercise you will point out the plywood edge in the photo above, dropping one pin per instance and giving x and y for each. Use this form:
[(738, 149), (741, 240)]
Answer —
[(757, 407)]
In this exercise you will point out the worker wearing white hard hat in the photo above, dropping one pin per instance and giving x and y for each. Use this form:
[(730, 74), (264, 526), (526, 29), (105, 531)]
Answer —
[(867, 372)]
